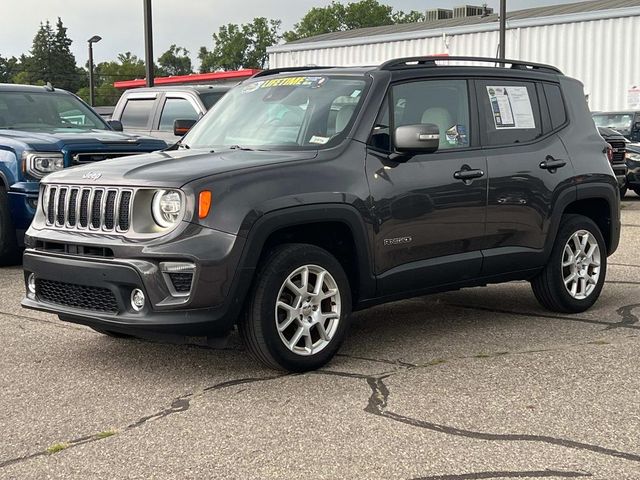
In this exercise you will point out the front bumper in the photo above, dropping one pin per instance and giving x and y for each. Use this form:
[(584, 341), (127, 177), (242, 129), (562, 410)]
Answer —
[(620, 171), (206, 311)]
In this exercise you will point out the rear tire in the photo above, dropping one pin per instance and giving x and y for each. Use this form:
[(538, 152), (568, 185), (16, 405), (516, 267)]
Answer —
[(9, 251), (573, 278), (299, 309)]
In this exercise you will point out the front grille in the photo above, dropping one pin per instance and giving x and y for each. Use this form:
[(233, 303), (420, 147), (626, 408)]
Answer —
[(93, 208), (77, 296), (619, 149), (181, 281)]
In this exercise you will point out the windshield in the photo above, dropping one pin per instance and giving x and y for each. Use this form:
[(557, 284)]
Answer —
[(283, 112), (617, 121), (46, 110)]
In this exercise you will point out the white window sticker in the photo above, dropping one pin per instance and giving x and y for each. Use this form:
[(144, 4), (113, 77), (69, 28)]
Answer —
[(511, 107), (319, 140)]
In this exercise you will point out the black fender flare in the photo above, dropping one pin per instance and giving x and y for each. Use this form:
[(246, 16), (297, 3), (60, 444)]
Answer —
[(273, 221), (599, 190)]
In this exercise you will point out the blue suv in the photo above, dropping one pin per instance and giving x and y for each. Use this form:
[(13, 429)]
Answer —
[(43, 130)]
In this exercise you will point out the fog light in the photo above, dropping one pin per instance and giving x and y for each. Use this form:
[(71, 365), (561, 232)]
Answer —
[(137, 300), (31, 283)]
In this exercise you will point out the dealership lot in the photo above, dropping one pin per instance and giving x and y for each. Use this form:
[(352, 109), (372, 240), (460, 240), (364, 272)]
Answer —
[(480, 381)]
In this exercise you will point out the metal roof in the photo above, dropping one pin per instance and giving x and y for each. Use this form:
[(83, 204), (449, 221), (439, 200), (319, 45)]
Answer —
[(529, 13)]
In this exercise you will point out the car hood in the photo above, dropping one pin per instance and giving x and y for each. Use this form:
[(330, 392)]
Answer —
[(172, 168), (59, 138), (610, 134)]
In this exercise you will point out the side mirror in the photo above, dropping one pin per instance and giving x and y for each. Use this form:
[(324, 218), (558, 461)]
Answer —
[(181, 127), (116, 125), (637, 125), (420, 138)]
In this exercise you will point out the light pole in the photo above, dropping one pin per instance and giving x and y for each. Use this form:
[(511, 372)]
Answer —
[(92, 93), (503, 27), (148, 43)]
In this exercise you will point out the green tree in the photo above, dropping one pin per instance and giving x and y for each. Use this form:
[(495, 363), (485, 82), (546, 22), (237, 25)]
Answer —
[(127, 67), (230, 47), (337, 17), (262, 33), (175, 61), (51, 60), (9, 68), (317, 21), (240, 46)]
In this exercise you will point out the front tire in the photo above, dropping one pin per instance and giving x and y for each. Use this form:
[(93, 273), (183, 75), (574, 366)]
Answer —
[(573, 278), (9, 251), (623, 191), (299, 309)]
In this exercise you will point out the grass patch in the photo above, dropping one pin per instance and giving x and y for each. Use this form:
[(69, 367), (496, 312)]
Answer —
[(57, 447), (106, 434)]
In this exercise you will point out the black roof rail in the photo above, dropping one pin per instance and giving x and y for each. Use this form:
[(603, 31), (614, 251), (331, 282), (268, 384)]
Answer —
[(430, 61), (275, 71)]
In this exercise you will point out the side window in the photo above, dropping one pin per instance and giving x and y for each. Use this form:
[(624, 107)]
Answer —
[(444, 103), (136, 112), (176, 109), (556, 105), (509, 112)]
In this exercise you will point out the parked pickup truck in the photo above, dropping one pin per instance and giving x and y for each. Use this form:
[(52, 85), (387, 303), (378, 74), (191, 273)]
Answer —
[(43, 130), (153, 111)]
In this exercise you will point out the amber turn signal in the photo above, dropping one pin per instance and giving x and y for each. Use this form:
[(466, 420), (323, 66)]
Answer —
[(204, 204)]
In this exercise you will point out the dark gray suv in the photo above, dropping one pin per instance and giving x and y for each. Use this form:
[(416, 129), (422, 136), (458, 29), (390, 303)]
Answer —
[(305, 194)]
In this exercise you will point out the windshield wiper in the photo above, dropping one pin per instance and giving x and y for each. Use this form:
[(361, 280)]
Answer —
[(240, 147)]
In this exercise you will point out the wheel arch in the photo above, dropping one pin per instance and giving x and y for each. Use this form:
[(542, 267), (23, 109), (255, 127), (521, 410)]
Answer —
[(597, 201), (298, 225)]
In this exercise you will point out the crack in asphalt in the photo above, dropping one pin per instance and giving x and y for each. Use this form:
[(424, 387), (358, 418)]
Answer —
[(54, 323), (178, 405), (506, 474), (628, 318), (542, 315)]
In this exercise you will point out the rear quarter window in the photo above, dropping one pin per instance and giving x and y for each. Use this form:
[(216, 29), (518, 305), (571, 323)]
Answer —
[(137, 112), (509, 112)]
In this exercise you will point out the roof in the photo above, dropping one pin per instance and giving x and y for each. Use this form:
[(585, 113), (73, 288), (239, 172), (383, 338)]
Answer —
[(529, 13), (193, 78), (183, 88), (15, 87)]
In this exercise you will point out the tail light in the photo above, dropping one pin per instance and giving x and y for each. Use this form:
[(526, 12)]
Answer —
[(610, 153)]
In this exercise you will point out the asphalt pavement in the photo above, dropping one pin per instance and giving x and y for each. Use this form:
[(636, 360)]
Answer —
[(474, 384)]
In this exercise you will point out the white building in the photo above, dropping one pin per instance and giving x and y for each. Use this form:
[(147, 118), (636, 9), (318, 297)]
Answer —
[(597, 42)]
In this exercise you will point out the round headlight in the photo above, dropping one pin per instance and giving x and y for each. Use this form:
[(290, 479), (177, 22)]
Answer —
[(166, 208)]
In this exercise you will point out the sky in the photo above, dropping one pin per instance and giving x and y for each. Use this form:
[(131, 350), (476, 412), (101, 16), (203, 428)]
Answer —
[(187, 23)]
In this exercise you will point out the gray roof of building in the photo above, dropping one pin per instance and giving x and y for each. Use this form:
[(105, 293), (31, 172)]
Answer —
[(548, 11)]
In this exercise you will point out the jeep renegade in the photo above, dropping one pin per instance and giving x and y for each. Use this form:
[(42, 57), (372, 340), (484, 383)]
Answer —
[(306, 193)]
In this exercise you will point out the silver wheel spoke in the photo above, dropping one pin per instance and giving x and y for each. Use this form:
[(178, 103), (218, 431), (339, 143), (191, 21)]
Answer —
[(300, 316), (322, 331), (581, 264), (296, 338)]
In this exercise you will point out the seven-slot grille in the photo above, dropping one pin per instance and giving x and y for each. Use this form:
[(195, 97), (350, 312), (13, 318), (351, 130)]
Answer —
[(91, 208)]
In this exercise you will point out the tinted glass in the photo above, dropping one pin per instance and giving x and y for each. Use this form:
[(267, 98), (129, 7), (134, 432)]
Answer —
[(282, 112), (176, 109), (210, 99), (136, 113), (46, 111), (617, 121), (556, 105), (509, 112), (444, 103)]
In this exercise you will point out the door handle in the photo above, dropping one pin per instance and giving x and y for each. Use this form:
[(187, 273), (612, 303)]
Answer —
[(552, 164), (468, 174)]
